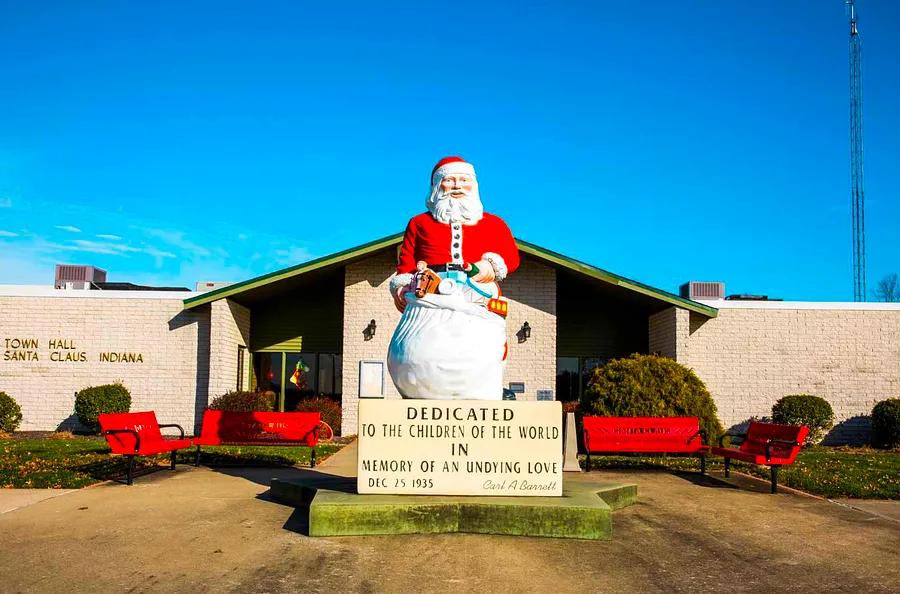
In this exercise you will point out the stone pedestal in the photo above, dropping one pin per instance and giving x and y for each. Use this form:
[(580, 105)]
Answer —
[(570, 451)]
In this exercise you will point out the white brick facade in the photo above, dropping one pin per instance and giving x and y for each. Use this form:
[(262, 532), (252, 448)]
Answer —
[(229, 330), (752, 354), (173, 345)]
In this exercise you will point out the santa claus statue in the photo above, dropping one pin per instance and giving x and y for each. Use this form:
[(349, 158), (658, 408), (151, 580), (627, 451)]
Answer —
[(451, 339)]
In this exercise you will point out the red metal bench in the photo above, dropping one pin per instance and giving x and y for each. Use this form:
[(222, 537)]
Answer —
[(644, 435), (766, 444), (259, 428), (138, 434)]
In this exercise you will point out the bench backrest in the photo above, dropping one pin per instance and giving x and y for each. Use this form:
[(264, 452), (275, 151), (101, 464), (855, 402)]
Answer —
[(260, 427), (758, 434), (642, 434), (143, 423)]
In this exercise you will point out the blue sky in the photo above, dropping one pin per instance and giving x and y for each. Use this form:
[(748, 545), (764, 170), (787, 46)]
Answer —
[(664, 141)]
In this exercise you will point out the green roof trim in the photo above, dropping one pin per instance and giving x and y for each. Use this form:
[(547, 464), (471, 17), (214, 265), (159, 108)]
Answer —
[(379, 244), (367, 248), (615, 279)]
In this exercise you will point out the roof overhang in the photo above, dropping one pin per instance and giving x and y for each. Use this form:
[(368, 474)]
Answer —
[(549, 257)]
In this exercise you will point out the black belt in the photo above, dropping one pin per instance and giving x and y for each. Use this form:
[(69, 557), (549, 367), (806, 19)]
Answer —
[(446, 267)]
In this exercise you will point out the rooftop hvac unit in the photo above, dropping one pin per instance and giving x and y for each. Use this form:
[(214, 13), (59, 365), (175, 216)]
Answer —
[(72, 276), (695, 290)]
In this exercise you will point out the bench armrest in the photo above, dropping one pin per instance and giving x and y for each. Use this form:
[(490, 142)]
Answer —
[(724, 435), (176, 425), (769, 443), (137, 436)]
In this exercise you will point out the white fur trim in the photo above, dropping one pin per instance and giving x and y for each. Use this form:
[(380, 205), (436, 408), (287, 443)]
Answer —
[(497, 263), (459, 167), (400, 280)]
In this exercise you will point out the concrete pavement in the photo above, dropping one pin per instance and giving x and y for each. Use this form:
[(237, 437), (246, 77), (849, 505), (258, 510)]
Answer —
[(204, 530), (13, 499)]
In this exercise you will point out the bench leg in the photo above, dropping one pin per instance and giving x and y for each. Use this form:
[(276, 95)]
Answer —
[(727, 466), (702, 464), (172, 467), (312, 458), (587, 462), (774, 472), (197, 458), (129, 471)]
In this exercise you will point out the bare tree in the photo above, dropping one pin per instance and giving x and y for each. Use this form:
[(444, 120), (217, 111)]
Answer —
[(888, 288)]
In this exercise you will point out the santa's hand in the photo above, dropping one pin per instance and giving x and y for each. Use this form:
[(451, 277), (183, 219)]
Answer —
[(400, 299), (485, 272)]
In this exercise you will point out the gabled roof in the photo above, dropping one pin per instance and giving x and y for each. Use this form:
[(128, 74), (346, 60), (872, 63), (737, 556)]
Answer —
[(548, 256)]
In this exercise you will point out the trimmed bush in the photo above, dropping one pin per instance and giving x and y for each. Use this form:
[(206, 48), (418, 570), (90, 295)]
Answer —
[(91, 402), (245, 402), (805, 409), (650, 386), (886, 424), (10, 413), (329, 409)]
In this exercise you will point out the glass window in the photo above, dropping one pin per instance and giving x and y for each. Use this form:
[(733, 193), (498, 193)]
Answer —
[(268, 371), (567, 378), (300, 378), (242, 351), (326, 374)]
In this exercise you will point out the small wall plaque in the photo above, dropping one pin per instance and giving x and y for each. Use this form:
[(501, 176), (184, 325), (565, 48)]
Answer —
[(545, 394), (517, 387), (371, 379)]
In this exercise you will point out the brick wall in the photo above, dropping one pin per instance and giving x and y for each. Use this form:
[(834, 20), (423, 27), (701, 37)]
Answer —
[(531, 290), (229, 330), (669, 332), (171, 378), (750, 356), (532, 294)]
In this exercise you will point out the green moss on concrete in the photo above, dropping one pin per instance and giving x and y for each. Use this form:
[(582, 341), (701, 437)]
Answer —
[(335, 509)]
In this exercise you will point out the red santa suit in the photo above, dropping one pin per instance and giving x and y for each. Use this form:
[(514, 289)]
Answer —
[(456, 243)]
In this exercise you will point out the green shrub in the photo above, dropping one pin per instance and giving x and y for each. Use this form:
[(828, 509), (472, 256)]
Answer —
[(245, 402), (805, 409), (650, 386), (330, 410), (10, 413), (93, 401), (886, 424)]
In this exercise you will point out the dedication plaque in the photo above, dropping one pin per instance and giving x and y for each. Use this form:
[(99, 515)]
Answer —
[(460, 447)]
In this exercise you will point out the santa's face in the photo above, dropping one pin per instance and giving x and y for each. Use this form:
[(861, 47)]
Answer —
[(457, 185)]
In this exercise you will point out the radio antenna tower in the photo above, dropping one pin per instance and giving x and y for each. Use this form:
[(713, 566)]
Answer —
[(857, 193)]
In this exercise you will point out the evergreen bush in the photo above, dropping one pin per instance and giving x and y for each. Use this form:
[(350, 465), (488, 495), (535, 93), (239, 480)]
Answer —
[(93, 401), (10, 413), (886, 424), (805, 409), (650, 386), (329, 409), (240, 401)]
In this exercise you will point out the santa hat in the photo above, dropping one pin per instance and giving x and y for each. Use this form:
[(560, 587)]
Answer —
[(449, 166)]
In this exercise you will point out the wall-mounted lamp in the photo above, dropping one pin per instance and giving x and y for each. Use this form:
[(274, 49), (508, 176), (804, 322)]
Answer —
[(369, 331), (524, 332)]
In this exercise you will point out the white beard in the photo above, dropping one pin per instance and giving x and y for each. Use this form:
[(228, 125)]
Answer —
[(445, 209)]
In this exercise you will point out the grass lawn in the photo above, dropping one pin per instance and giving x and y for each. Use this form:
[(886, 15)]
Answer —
[(825, 471), (82, 461)]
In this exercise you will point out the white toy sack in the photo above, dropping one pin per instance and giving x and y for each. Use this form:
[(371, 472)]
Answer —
[(448, 348)]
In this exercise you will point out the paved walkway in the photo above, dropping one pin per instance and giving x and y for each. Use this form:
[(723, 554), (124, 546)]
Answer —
[(13, 499), (205, 530)]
